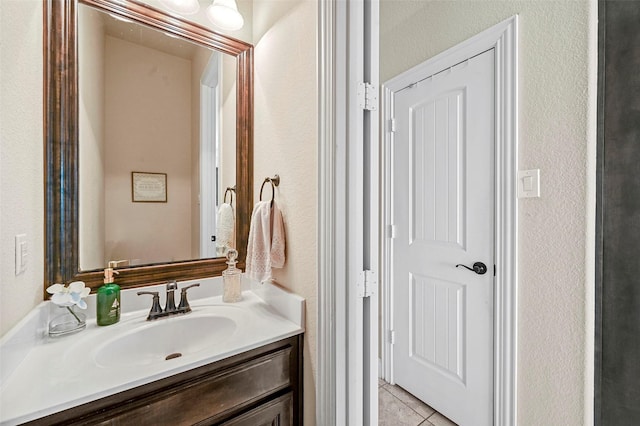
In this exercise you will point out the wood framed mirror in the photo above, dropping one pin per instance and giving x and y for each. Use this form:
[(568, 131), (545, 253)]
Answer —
[(61, 142)]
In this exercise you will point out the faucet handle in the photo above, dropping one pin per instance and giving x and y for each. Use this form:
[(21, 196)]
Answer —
[(184, 303), (156, 309), (189, 286)]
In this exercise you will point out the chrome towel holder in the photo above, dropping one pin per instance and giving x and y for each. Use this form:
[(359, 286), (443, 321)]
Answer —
[(274, 181)]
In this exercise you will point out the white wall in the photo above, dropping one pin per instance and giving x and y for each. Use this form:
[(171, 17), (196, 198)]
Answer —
[(21, 156), (557, 134), (286, 123)]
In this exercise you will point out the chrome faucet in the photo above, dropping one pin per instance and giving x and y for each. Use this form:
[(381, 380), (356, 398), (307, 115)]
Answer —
[(170, 309)]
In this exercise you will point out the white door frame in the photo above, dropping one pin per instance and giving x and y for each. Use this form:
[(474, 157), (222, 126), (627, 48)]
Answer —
[(502, 38), (347, 323)]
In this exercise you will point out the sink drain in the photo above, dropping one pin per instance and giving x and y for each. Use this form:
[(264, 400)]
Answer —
[(172, 356)]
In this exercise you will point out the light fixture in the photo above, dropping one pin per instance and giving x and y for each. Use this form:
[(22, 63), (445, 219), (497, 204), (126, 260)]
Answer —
[(183, 7), (224, 15)]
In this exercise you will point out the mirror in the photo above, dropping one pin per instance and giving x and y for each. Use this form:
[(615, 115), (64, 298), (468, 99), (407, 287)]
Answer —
[(156, 113), (99, 159)]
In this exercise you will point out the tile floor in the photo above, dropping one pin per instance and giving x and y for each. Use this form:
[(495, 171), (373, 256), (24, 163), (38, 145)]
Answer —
[(397, 407)]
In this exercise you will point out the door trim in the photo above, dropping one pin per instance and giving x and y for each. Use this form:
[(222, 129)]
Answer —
[(346, 379), (503, 38), (331, 384)]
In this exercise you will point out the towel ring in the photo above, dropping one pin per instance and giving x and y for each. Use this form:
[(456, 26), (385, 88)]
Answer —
[(230, 189), (274, 181)]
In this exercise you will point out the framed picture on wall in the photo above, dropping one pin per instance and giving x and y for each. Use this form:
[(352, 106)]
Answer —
[(148, 187)]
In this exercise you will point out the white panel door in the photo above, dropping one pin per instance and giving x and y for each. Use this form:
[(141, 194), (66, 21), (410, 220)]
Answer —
[(443, 212)]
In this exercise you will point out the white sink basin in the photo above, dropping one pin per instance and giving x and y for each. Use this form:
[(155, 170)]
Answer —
[(165, 340)]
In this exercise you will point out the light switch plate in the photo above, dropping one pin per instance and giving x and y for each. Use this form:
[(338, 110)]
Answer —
[(529, 183), (21, 253)]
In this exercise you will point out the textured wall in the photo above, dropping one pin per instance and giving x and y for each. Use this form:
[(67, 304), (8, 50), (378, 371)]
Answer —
[(21, 156), (286, 143), (557, 134)]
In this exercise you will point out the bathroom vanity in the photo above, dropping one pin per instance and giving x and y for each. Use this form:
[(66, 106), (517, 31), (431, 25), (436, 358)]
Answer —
[(226, 364), (257, 387)]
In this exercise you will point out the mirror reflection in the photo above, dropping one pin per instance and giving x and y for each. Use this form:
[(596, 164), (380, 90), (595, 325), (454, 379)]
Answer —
[(157, 123)]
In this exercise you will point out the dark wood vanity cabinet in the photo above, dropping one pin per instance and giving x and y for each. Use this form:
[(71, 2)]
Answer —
[(259, 387)]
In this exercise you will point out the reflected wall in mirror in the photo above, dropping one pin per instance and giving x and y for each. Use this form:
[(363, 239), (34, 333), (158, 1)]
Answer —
[(152, 102), (96, 136)]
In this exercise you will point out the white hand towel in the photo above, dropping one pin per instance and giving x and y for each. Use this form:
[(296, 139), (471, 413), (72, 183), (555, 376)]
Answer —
[(277, 237), (225, 228), (265, 249)]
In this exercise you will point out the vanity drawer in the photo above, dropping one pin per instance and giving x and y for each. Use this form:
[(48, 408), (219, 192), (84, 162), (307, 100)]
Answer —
[(208, 397), (273, 413)]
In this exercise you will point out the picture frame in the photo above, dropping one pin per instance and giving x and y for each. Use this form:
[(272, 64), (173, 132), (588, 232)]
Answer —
[(148, 187)]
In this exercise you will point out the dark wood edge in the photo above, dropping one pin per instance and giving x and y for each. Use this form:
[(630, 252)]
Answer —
[(298, 388), (176, 382), (61, 136), (155, 18), (599, 255)]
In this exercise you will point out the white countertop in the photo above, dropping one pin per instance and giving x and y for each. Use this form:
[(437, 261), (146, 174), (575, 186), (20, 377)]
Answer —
[(41, 375)]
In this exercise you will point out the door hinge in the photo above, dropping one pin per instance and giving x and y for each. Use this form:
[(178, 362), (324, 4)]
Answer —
[(367, 96), (367, 284), (391, 231), (392, 125), (392, 337)]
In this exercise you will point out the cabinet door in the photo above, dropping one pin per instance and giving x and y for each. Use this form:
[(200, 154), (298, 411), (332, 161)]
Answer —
[(277, 412)]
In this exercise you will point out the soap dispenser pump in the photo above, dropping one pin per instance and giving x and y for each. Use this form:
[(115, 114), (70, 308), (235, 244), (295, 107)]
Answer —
[(108, 299), (232, 279)]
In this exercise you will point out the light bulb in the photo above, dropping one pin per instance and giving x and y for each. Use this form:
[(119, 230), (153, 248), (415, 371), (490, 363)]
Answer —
[(224, 15)]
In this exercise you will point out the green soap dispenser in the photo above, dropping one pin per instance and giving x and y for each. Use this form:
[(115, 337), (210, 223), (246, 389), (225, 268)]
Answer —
[(108, 303)]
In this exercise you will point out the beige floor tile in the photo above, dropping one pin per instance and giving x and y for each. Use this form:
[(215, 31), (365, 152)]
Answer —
[(426, 423), (411, 401), (392, 412), (381, 382), (439, 420)]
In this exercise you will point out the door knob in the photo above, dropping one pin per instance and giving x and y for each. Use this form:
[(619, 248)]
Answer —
[(478, 267)]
